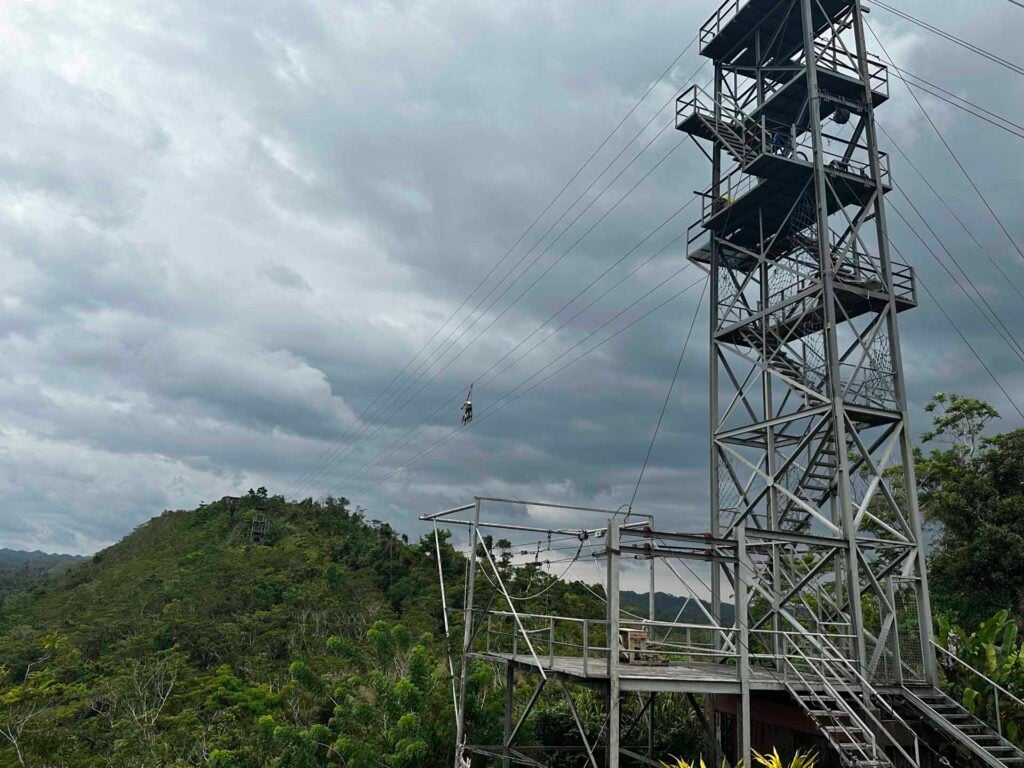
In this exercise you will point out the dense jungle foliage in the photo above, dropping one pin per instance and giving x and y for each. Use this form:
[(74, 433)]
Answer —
[(188, 644)]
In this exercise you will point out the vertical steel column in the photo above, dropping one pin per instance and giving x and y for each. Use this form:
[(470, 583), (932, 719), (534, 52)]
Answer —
[(716, 530), (467, 638), (924, 608), (653, 616), (510, 684), (744, 571), (831, 339), (613, 643)]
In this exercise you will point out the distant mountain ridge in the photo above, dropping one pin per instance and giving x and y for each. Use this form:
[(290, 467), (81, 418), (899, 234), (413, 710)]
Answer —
[(20, 570), (666, 606), (20, 556)]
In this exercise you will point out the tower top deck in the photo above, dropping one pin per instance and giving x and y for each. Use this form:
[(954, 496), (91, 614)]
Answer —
[(730, 34)]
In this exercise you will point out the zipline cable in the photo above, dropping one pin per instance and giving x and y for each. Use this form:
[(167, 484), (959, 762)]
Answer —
[(1003, 331), (500, 402), (1010, 341), (482, 382), (976, 49), (963, 338), (380, 426), (541, 215), (499, 407), (533, 284), (449, 342), (1011, 127)]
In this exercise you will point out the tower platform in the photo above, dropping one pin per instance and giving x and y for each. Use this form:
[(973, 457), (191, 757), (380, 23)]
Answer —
[(728, 34), (690, 677)]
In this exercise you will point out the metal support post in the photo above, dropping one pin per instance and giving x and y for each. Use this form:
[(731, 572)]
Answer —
[(510, 685), (460, 715), (924, 608), (744, 569), (713, 367), (651, 725), (613, 643)]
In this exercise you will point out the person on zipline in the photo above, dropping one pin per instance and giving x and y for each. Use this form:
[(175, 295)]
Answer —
[(467, 407)]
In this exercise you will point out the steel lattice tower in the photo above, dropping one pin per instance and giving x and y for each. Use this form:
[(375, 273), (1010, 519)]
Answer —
[(815, 533), (811, 460)]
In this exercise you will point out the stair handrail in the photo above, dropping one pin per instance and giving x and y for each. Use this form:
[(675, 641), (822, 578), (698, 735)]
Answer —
[(996, 687), (875, 695), (832, 691)]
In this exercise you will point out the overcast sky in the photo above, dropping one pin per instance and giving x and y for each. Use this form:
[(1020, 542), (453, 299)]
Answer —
[(226, 226)]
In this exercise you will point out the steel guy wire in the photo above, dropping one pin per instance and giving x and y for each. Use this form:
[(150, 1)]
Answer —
[(952, 212), (976, 49), (668, 395), (343, 453), (993, 118), (449, 341), (1012, 341), (1009, 342), (384, 454), (963, 338), (949, 149), (394, 447)]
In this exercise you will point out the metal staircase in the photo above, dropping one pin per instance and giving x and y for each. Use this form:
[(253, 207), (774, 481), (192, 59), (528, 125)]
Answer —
[(931, 707), (837, 720), (849, 712), (815, 485)]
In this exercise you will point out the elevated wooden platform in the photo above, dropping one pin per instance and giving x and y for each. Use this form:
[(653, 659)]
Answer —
[(694, 677)]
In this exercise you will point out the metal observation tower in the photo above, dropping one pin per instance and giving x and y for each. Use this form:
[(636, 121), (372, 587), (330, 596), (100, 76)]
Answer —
[(809, 622)]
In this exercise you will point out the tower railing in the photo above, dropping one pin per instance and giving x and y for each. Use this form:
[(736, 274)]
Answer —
[(722, 16), (739, 182)]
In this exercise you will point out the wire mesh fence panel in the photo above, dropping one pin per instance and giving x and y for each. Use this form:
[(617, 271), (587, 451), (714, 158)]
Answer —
[(908, 627)]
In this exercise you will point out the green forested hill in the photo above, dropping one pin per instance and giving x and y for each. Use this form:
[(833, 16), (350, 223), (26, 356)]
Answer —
[(187, 644)]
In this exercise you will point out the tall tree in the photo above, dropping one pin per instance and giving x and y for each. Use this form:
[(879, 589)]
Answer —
[(972, 490)]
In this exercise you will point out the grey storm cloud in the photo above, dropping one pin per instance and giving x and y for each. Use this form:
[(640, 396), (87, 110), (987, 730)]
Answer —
[(226, 227)]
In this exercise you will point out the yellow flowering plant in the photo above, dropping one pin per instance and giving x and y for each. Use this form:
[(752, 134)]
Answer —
[(771, 760)]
